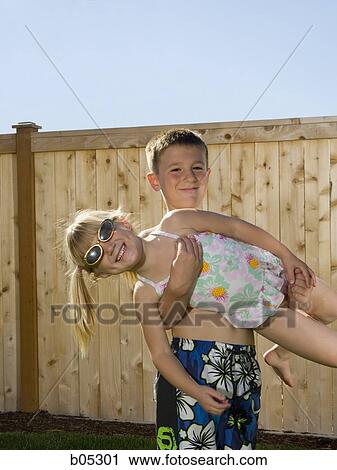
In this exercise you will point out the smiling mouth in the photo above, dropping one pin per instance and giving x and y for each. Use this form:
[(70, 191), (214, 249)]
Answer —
[(121, 252)]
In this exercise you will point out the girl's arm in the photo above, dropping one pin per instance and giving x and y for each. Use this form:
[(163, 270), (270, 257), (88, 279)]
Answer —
[(163, 357), (203, 221)]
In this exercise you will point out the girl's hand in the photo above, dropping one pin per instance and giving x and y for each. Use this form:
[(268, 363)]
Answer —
[(291, 263), (185, 266), (211, 400)]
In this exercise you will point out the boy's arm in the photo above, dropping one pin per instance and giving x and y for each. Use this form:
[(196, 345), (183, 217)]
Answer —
[(233, 227), (184, 272), (162, 355), (164, 360)]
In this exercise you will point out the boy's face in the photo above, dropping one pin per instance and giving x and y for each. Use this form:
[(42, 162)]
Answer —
[(183, 176)]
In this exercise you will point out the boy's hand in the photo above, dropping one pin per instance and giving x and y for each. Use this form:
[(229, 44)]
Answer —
[(299, 294), (291, 263), (211, 400), (185, 266)]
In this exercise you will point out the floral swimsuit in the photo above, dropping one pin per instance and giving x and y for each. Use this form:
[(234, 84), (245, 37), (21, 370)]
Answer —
[(245, 284)]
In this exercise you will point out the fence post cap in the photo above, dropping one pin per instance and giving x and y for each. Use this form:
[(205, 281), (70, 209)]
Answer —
[(26, 124)]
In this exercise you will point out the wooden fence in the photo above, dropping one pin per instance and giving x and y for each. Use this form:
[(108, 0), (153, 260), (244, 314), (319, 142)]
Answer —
[(280, 175)]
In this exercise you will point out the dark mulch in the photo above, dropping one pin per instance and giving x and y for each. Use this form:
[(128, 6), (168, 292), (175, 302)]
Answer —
[(18, 421)]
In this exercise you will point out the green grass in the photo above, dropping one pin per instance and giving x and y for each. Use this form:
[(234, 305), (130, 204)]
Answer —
[(70, 440)]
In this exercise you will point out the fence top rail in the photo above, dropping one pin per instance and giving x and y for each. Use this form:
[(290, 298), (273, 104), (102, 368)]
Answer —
[(7, 143), (214, 133)]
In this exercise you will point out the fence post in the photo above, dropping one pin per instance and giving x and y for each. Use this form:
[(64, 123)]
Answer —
[(29, 372)]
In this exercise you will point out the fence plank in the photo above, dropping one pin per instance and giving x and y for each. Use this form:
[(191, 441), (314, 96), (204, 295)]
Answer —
[(295, 409), (109, 321), (243, 181), (219, 191), (66, 347), (333, 244), (46, 277), (243, 191), (89, 366), (317, 220), (267, 205), (10, 282), (9, 300), (131, 335), (3, 356), (150, 215), (311, 165)]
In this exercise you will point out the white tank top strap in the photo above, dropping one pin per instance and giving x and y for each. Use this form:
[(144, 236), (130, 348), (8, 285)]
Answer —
[(146, 280), (165, 234), (158, 286)]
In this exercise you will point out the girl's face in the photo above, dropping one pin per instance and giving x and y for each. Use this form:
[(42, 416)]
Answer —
[(123, 252)]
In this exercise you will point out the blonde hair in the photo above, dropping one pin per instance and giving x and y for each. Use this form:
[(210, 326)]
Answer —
[(77, 237)]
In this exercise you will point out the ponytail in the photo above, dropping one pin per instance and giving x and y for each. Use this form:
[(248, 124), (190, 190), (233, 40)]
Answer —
[(85, 314)]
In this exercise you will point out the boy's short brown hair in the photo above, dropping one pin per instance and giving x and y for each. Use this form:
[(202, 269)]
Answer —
[(162, 141)]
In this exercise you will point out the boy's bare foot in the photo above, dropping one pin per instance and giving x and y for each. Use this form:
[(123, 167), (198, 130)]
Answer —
[(299, 295), (278, 359)]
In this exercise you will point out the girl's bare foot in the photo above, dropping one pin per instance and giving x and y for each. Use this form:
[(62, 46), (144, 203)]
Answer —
[(278, 359)]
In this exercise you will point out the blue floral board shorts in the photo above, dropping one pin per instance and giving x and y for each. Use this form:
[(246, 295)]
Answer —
[(232, 369)]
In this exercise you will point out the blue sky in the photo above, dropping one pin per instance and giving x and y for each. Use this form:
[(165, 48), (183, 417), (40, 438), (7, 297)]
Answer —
[(138, 63)]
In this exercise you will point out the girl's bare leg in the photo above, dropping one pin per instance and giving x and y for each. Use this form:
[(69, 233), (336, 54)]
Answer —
[(278, 358), (320, 302), (302, 335)]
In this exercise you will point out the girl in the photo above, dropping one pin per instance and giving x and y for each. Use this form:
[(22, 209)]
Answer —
[(244, 283)]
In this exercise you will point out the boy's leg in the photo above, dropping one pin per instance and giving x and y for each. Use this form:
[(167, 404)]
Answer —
[(302, 335), (234, 372), (166, 414), (196, 428), (238, 425)]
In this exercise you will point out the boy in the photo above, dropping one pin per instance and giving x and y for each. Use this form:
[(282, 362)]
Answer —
[(178, 164)]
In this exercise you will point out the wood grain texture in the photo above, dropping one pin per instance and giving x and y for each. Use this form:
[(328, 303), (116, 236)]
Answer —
[(333, 245), (65, 344), (131, 335), (317, 241), (219, 191), (295, 401), (150, 209), (267, 197), (108, 294), (7, 144), (29, 373), (86, 197), (9, 287), (217, 133), (46, 278)]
